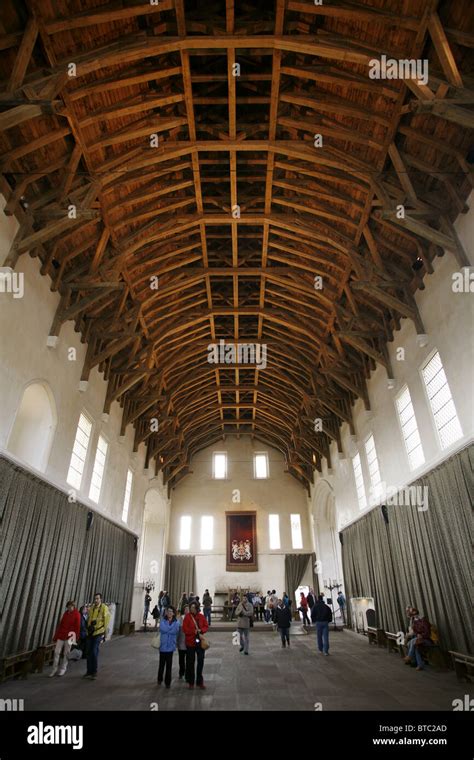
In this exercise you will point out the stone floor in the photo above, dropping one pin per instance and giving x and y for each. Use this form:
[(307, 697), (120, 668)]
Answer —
[(355, 676)]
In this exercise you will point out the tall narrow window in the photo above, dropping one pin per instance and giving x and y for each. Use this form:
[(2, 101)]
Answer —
[(126, 498), (98, 471), (359, 481), (374, 471), (260, 465), (296, 536), (441, 401), (185, 533), (410, 433), (274, 530), (207, 532), (79, 451), (219, 465)]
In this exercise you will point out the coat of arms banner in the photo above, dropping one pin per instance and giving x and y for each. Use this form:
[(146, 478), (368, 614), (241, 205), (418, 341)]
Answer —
[(241, 541)]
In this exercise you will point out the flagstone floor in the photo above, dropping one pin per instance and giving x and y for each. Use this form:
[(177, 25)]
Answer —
[(355, 676)]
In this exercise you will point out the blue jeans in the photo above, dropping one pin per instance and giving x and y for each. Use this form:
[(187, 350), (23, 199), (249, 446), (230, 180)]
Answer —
[(93, 644), (322, 634), (207, 614), (414, 651)]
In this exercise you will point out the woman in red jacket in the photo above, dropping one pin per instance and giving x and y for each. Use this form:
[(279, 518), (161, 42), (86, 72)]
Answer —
[(193, 625), (67, 633)]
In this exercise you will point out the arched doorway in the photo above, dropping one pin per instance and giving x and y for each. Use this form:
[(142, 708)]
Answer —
[(326, 539), (35, 423), (151, 557)]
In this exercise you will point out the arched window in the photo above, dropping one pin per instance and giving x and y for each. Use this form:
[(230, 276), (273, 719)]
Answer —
[(34, 427)]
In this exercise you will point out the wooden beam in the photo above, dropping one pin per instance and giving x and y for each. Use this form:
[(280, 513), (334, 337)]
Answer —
[(443, 50), (24, 55)]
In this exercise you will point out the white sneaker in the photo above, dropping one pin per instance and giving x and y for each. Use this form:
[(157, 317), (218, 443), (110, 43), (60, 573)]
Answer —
[(61, 672), (53, 673)]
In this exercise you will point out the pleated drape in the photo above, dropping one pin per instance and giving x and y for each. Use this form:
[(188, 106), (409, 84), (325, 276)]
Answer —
[(295, 567), (48, 556), (180, 575), (421, 557)]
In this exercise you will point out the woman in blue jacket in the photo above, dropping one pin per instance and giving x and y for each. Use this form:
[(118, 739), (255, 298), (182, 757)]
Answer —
[(169, 630)]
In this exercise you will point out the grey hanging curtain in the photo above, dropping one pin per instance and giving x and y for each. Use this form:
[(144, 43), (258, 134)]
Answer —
[(48, 557), (419, 557), (295, 567), (180, 575)]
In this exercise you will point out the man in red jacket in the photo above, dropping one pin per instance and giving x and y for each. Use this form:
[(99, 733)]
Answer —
[(67, 633), (193, 625), (419, 635)]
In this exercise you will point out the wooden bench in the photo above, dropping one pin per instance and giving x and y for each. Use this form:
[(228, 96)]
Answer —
[(393, 645), (463, 665), (44, 655), (16, 665), (376, 636)]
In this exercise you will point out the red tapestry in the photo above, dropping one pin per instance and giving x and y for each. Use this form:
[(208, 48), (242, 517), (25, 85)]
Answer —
[(241, 541)]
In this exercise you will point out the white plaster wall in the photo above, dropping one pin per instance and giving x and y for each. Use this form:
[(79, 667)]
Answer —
[(448, 321), (24, 327), (199, 494)]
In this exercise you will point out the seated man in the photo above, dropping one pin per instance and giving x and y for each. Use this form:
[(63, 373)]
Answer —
[(419, 633)]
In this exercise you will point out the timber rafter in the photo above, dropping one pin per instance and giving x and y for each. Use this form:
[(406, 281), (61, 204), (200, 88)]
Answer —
[(235, 175)]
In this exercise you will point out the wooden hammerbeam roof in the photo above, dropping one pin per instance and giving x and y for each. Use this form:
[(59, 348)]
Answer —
[(163, 160)]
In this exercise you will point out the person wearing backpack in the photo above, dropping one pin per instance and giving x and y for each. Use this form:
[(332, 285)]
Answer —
[(207, 605), (155, 613), (321, 614), (169, 632), (283, 621)]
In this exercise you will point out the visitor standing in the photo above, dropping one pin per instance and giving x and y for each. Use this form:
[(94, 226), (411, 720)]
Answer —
[(235, 601), (97, 623), (183, 602), (303, 608), (257, 601), (341, 600), (311, 599), (169, 631), (283, 621), (182, 642), (321, 614), (274, 600), (194, 625), (67, 633), (207, 606), (155, 613), (268, 606), (160, 603), (244, 613), (83, 631), (262, 606), (165, 603)]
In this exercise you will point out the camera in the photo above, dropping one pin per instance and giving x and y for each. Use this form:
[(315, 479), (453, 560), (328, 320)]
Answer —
[(91, 628)]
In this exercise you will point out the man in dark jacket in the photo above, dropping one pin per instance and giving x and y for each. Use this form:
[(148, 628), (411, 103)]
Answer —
[(310, 599), (321, 614), (283, 621)]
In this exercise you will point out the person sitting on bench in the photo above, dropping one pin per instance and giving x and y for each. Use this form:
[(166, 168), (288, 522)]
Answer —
[(419, 635)]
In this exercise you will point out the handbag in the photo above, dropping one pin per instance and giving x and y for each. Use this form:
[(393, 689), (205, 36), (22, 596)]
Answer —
[(202, 639), (155, 642)]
